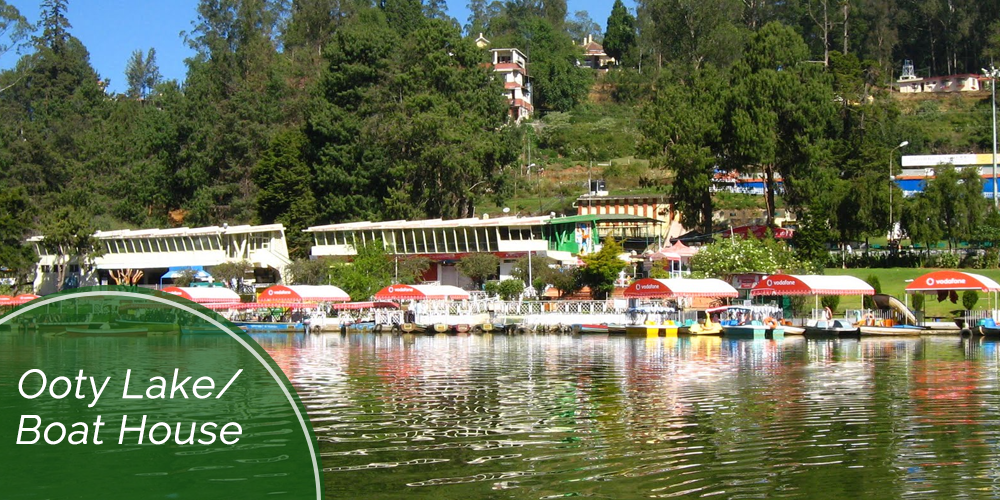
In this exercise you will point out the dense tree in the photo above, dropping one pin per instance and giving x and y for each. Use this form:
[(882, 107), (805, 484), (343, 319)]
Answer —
[(743, 255), (682, 130), (17, 259), (692, 32), (479, 267), (779, 117), (285, 194), (581, 26), (142, 74), (407, 127), (367, 272), (69, 235), (619, 39), (601, 269), (14, 28)]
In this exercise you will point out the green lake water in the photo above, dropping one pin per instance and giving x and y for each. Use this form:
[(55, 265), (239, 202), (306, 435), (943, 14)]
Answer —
[(538, 417)]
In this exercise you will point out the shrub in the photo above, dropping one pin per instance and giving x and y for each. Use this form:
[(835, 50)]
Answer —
[(510, 289), (969, 299), (831, 301), (877, 285), (918, 301)]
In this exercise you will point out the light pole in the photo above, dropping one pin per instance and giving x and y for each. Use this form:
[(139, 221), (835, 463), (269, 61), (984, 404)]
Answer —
[(891, 153), (993, 73)]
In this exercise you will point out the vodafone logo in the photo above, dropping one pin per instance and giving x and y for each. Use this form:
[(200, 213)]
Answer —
[(391, 289), (648, 287), (270, 292), (946, 281), (780, 283)]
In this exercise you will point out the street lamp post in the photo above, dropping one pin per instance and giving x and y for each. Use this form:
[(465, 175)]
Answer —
[(993, 73), (891, 153)]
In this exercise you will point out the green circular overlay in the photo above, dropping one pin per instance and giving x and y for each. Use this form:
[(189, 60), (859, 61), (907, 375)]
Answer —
[(119, 392)]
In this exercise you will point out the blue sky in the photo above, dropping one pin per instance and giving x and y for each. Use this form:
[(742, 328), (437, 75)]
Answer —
[(112, 29)]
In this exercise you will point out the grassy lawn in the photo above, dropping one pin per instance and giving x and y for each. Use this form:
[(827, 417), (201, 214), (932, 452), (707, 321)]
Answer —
[(893, 281)]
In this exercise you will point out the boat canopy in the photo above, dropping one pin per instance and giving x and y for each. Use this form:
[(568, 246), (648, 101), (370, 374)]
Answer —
[(787, 284), (303, 293), (421, 292), (204, 294), (366, 305), (952, 280), (653, 288), (241, 306), (24, 298)]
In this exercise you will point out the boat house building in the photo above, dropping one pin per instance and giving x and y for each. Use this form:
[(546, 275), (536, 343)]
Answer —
[(445, 242), (162, 253)]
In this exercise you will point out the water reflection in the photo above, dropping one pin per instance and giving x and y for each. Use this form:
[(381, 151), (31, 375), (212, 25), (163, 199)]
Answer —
[(548, 416)]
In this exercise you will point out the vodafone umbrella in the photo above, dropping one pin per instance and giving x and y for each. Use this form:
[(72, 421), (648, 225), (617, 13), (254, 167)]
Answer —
[(204, 294), (303, 293), (938, 281), (258, 305), (24, 298), (787, 284), (421, 292), (6, 300), (652, 288)]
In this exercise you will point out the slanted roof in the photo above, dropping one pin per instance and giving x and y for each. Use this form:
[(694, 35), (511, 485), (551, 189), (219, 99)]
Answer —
[(204, 294), (786, 284), (303, 293), (653, 288), (421, 292), (952, 280)]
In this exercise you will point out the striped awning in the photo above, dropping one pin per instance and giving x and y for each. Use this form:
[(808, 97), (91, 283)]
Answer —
[(653, 288), (787, 284)]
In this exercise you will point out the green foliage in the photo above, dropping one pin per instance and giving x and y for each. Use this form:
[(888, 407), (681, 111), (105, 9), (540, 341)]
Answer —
[(744, 255), (405, 127), (565, 280), (142, 74), (877, 285), (369, 271), (969, 299), (285, 194), (540, 271), (479, 267), (600, 269), (69, 234), (682, 131), (17, 259), (228, 273), (185, 278), (620, 38), (492, 288), (411, 269), (308, 272), (510, 289), (831, 301)]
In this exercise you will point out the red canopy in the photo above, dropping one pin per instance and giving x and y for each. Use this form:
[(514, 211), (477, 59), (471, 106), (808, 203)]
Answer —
[(670, 288), (25, 298), (7, 300), (786, 284), (952, 280), (682, 249), (758, 232), (421, 292), (259, 305), (366, 305), (303, 293), (204, 294)]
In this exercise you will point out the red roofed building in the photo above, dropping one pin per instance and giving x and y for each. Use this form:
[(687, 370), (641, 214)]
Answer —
[(594, 55), (513, 65)]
